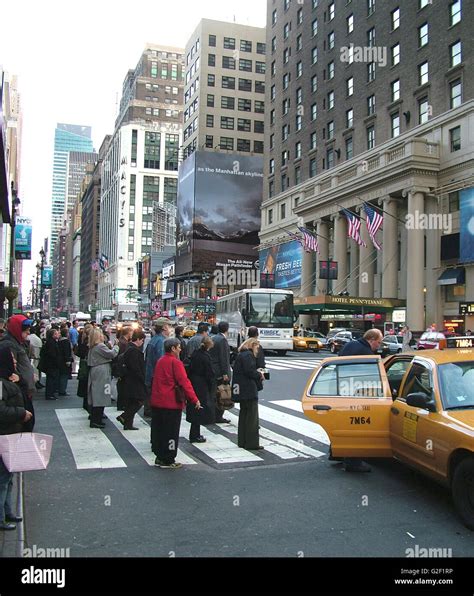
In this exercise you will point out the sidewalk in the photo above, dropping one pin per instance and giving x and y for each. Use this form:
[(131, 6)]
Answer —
[(13, 542)]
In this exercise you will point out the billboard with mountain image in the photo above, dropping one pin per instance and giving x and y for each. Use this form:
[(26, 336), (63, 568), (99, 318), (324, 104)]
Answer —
[(226, 218)]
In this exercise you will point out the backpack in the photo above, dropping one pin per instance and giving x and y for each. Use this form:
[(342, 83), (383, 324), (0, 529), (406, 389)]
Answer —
[(119, 366)]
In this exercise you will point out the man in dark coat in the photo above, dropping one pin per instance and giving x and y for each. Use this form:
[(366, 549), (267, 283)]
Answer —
[(195, 342), (202, 377), (220, 358), (50, 362), (133, 383), (154, 351), (18, 329), (365, 346)]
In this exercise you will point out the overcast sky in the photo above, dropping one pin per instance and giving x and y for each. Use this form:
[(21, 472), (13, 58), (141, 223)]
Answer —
[(71, 59)]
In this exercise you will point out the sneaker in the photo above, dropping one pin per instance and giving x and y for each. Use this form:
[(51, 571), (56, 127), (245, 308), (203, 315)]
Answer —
[(175, 465)]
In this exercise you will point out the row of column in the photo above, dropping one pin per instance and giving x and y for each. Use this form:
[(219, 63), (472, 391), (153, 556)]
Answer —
[(360, 280)]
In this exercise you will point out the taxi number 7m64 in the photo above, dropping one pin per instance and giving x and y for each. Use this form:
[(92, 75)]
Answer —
[(360, 420)]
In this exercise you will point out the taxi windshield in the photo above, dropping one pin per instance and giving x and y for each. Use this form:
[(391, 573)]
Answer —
[(456, 381)]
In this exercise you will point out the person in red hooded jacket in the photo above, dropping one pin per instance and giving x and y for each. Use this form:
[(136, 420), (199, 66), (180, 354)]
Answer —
[(166, 406), (18, 329)]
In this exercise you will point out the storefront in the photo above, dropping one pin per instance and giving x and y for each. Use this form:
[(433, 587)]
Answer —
[(346, 311)]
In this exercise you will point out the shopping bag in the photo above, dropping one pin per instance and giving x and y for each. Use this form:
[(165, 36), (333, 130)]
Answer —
[(23, 452), (224, 397)]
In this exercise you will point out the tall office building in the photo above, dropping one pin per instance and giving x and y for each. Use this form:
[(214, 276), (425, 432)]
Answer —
[(67, 138), (140, 168), (225, 88), (372, 102)]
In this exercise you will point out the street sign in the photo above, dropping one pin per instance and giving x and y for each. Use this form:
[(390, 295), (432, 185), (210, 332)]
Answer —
[(23, 233)]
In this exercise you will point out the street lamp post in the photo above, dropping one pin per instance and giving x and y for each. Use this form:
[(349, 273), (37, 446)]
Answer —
[(38, 272), (43, 257), (15, 203)]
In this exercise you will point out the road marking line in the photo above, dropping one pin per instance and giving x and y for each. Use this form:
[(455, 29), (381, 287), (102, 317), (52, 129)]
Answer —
[(90, 447), (280, 445), (140, 439), (218, 447)]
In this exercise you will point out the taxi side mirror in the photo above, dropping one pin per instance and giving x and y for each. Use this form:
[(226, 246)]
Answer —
[(421, 400)]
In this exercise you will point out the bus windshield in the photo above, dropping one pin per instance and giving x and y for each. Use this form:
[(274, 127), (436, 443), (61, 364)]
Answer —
[(269, 310), (128, 315)]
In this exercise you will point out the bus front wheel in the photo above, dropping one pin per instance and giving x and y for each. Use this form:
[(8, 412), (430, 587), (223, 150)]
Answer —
[(281, 352)]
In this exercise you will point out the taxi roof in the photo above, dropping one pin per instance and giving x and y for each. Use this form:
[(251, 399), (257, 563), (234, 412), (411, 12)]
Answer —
[(446, 355)]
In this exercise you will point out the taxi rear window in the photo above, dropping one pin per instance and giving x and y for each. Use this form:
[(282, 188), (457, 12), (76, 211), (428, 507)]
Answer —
[(456, 380), (348, 380)]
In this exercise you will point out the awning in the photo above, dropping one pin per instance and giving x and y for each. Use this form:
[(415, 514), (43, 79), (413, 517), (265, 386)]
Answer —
[(452, 277)]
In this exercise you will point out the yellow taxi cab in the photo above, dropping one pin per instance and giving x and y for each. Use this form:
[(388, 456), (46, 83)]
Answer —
[(307, 342), (190, 330), (418, 408)]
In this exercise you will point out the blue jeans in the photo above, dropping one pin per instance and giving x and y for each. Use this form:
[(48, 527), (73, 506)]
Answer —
[(6, 485)]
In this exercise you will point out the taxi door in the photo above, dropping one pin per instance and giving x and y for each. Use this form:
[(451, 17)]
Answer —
[(351, 399)]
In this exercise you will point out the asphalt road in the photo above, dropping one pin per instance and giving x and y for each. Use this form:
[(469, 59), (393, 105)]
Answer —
[(288, 501)]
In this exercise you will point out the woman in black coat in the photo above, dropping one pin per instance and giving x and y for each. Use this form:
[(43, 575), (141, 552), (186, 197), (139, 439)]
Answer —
[(82, 351), (65, 361), (13, 417), (247, 381), (50, 363), (201, 376), (133, 383)]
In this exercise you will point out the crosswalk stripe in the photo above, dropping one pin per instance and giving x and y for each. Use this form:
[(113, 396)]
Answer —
[(140, 439), (298, 365), (298, 425), (90, 448), (279, 445), (218, 447)]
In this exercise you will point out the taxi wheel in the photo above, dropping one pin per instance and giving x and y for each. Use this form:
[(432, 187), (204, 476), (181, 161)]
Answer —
[(463, 491), (315, 350)]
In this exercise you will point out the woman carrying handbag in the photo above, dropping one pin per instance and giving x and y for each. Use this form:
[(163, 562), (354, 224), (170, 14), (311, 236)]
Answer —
[(170, 391), (201, 376)]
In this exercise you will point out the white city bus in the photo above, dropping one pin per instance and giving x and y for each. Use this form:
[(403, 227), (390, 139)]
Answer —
[(271, 311)]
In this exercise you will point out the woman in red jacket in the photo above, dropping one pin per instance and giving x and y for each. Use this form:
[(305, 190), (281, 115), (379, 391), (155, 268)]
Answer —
[(170, 391)]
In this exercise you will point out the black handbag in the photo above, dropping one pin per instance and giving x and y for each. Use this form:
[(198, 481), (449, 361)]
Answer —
[(179, 392)]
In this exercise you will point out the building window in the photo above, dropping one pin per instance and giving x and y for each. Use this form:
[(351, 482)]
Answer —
[(331, 40), (298, 150), (455, 139), (312, 141), (245, 65), (244, 125), (259, 86), (212, 41), (395, 54), (209, 120), (274, 45), (453, 198), (455, 53), (259, 107), (245, 105), (314, 83), (243, 145), (455, 89), (395, 19), (227, 123), (245, 85), (286, 30), (285, 131), (350, 86), (228, 62), (314, 111), (314, 4), (371, 137), (314, 27), (297, 175), (272, 92), (299, 16), (272, 117), (299, 96), (299, 122), (282, 209), (395, 90), (330, 129), (211, 80), (227, 103), (228, 82), (286, 80), (331, 10), (299, 43), (152, 150), (285, 156), (423, 110), (299, 69), (270, 212), (312, 167), (454, 12), (331, 70), (209, 142), (329, 159), (258, 146), (171, 188), (271, 168), (370, 7), (423, 73), (210, 101), (371, 37), (258, 126), (245, 46), (350, 118), (286, 55), (227, 143), (314, 55), (260, 67), (370, 72), (423, 35), (285, 106), (133, 161), (395, 125), (350, 23), (272, 141), (330, 100), (211, 60), (229, 43), (349, 148)]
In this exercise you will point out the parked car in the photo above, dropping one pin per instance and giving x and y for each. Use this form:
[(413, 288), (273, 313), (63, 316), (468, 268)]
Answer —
[(391, 344), (415, 407), (332, 332), (338, 341), (308, 342), (430, 340)]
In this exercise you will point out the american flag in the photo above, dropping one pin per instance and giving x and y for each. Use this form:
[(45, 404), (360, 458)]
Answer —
[(95, 265), (310, 242), (374, 222), (354, 227), (293, 236)]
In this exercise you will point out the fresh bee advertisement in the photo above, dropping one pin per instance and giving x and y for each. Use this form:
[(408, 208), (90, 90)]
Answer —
[(284, 262), (23, 233)]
